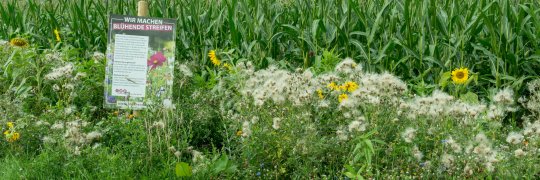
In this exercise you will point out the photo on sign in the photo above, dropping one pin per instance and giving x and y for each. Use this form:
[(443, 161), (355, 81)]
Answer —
[(140, 62)]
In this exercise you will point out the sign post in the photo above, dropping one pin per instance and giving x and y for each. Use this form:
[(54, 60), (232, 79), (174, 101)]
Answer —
[(143, 8), (140, 61)]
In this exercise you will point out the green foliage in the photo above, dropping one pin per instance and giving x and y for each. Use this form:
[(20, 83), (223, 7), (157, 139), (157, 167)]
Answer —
[(183, 169), (417, 40), (219, 128)]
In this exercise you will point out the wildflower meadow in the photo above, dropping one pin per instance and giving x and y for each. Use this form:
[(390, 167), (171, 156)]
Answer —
[(284, 89)]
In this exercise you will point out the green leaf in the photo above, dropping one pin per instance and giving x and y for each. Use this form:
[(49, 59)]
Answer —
[(469, 97), (231, 169), (350, 175), (221, 164), (378, 21), (443, 81), (369, 145), (183, 169)]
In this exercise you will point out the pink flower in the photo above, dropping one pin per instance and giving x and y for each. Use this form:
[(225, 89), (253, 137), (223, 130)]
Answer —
[(156, 60)]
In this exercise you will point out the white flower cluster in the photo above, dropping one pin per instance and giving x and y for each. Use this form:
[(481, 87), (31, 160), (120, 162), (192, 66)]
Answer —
[(532, 129), (409, 134), (184, 69), (276, 123), (53, 56), (379, 88), (418, 155), (176, 153), (98, 57), (79, 76), (358, 125), (455, 146), (158, 125), (74, 136), (60, 72), (440, 105), (246, 68), (57, 126), (532, 103), (525, 140), (279, 86), (168, 104), (514, 138), (504, 96), (93, 136), (246, 129), (342, 135), (503, 102), (448, 160), (48, 140), (198, 159), (348, 67), (483, 152)]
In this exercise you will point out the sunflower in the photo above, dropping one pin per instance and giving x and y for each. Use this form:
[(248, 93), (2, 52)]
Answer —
[(460, 76), (213, 58), (19, 42)]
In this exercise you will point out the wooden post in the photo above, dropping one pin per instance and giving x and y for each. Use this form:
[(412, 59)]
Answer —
[(142, 10)]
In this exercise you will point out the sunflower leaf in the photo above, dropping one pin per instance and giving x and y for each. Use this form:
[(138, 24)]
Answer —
[(469, 97), (443, 81)]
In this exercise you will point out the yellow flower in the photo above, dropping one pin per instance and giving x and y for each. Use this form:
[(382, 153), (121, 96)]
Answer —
[(333, 86), (320, 94), (349, 86), (460, 76), (227, 66), (213, 58), (342, 97), (10, 124), (239, 133), (57, 34), (131, 116), (14, 137), (19, 42)]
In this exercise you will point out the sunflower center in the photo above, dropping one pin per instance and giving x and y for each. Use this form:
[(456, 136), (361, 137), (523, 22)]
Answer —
[(460, 75), (18, 42)]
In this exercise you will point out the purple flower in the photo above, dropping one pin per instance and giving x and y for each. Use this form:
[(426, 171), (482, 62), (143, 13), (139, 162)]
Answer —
[(156, 60), (111, 99)]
